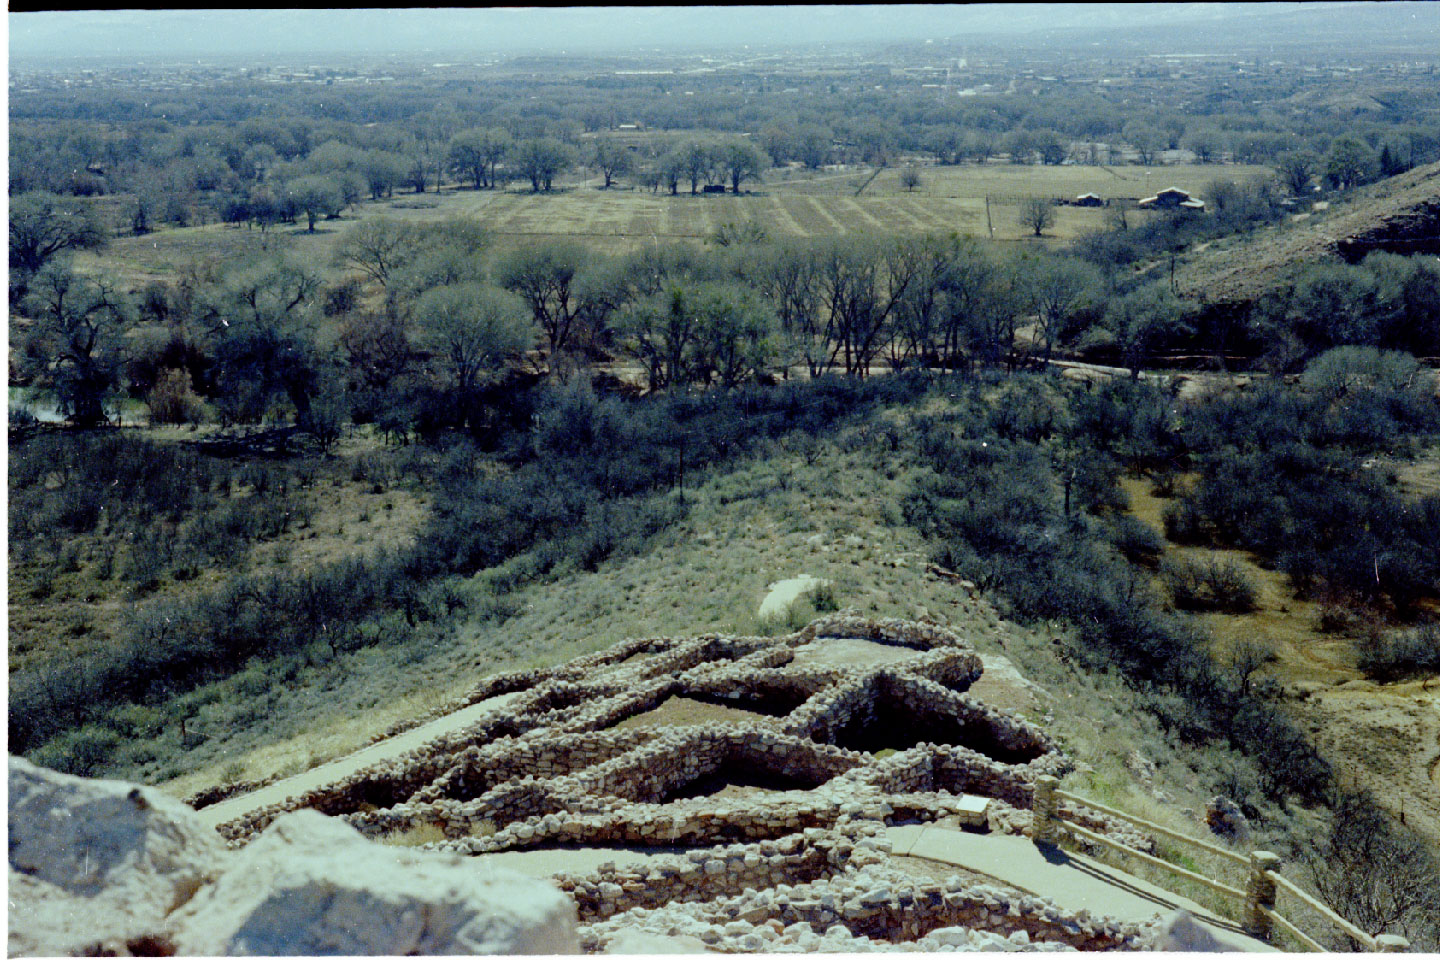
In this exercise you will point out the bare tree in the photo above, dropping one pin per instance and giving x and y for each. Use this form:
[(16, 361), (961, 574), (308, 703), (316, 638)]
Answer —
[(1245, 658), (909, 178), (1037, 213), (1376, 873), (376, 248)]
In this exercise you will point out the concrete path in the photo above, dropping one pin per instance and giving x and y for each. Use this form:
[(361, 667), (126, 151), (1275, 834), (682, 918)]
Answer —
[(218, 813), (545, 863), (784, 593), (1072, 881)]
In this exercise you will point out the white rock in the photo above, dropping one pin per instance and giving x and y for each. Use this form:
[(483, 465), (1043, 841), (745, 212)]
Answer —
[(635, 942), (94, 860), (949, 937), (312, 885)]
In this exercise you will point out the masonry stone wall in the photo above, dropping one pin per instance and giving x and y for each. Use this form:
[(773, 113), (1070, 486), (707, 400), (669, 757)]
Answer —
[(798, 847)]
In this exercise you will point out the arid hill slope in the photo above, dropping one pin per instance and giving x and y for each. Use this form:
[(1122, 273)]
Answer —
[(1400, 214)]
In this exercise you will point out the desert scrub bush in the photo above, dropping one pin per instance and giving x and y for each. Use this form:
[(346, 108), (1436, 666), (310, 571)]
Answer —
[(1136, 540), (995, 511), (80, 752), (822, 598), (415, 836), (1183, 523), (1400, 654), (1221, 585), (1165, 483), (165, 502)]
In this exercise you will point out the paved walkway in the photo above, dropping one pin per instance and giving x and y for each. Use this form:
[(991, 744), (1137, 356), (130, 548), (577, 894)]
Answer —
[(219, 813), (1072, 881), (546, 862)]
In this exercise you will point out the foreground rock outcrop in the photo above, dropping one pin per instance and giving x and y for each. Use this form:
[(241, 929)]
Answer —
[(312, 885), (98, 860), (102, 866)]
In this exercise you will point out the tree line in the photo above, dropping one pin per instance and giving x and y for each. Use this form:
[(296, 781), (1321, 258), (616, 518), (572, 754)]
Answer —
[(426, 319)]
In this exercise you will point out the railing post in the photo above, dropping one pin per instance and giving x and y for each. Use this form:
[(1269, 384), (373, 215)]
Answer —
[(1390, 943), (1043, 810), (1260, 893)]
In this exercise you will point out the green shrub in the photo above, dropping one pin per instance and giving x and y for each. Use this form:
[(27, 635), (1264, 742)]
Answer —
[(80, 752)]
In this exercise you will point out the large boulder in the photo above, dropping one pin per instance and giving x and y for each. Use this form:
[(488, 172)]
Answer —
[(95, 861), (1224, 818), (312, 885)]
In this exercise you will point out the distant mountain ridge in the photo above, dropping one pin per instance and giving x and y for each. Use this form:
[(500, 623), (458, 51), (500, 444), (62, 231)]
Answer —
[(417, 31)]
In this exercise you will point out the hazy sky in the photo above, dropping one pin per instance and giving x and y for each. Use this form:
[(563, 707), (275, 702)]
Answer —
[(189, 33)]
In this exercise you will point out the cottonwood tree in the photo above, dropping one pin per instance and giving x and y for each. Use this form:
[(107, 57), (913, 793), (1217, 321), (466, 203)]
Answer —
[(1141, 322), (382, 170), (785, 276), (476, 153), (75, 343), (432, 265), (741, 160), (1296, 169), (261, 316), (696, 163), (985, 304), (1206, 144), (474, 330), (418, 165), (1061, 288), (735, 339), (910, 179), (862, 284), (315, 197), (1145, 140), (918, 315), (611, 160), (813, 146), (980, 144), (544, 277), (669, 172), (660, 331), (1350, 162), (377, 247), (541, 161), (43, 226), (1037, 213)]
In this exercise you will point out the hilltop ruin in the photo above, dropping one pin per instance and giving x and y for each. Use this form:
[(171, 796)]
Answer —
[(740, 789)]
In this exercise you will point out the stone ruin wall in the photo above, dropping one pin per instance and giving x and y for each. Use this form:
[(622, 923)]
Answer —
[(553, 769)]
